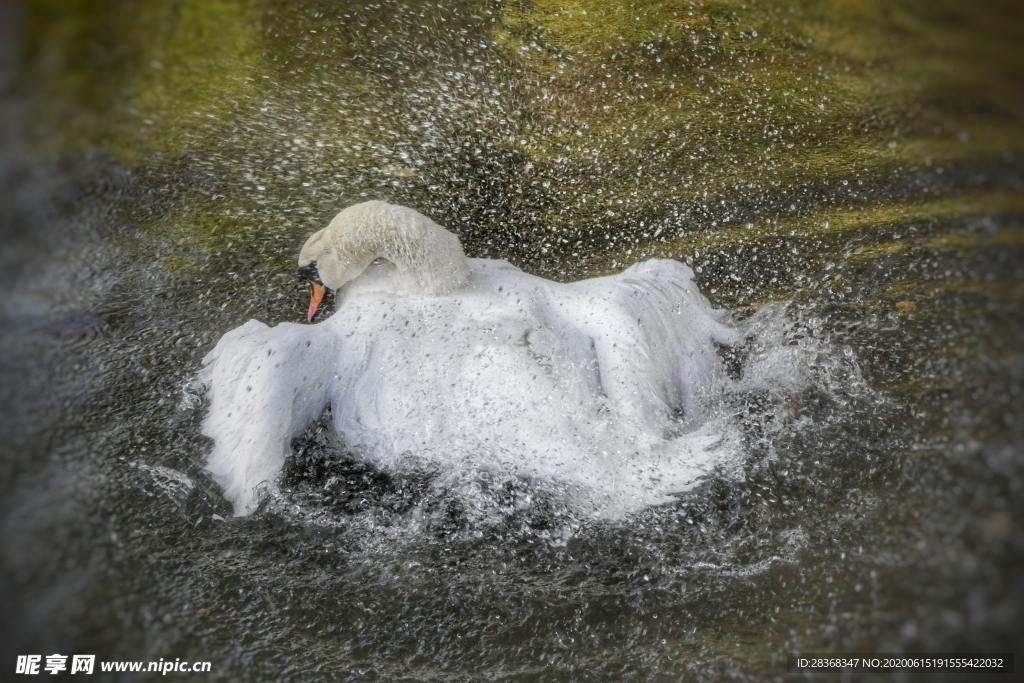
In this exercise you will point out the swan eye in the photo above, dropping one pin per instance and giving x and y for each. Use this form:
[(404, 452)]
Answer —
[(309, 273), (380, 260)]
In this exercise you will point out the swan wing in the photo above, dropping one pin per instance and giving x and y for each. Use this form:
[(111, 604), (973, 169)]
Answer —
[(652, 336), (265, 385)]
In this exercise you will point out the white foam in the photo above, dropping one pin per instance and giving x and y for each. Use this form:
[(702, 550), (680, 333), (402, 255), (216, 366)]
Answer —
[(598, 389), (172, 483)]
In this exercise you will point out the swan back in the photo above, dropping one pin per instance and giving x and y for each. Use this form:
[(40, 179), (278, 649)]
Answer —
[(419, 248)]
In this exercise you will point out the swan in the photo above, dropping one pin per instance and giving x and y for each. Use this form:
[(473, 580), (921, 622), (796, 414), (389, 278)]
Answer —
[(597, 388)]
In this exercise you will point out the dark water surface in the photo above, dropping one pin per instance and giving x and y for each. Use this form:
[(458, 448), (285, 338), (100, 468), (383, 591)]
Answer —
[(852, 171)]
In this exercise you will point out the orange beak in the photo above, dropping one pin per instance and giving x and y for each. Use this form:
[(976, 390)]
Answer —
[(316, 295)]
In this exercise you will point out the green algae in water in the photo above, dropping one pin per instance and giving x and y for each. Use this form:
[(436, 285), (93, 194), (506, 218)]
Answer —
[(857, 162)]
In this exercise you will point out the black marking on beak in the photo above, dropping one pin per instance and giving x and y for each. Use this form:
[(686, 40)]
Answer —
[(310, 273)]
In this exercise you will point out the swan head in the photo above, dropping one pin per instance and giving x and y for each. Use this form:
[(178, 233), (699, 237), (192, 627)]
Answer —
[(325, 268), (374, 231)]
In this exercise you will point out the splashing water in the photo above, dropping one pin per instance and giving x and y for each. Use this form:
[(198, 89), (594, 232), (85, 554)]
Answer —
[(845, 178), (774, 360), (596, 385)]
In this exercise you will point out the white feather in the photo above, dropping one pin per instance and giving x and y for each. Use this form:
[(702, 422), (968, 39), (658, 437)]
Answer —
[(474, 365)]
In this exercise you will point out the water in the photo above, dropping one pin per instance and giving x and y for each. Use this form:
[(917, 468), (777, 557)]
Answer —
[(847, 180)]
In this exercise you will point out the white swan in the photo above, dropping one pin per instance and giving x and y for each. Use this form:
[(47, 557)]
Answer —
[(593, 388)]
